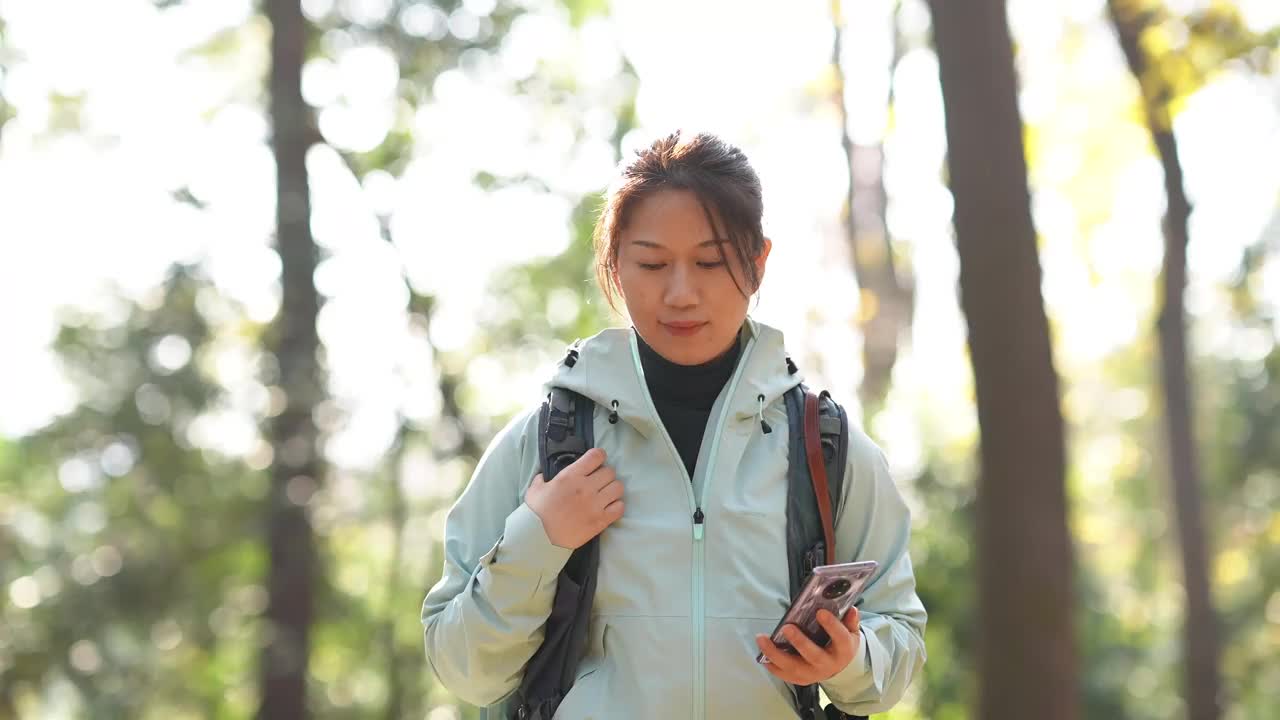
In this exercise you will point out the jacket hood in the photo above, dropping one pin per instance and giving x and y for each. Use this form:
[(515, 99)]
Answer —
[(608, 370)]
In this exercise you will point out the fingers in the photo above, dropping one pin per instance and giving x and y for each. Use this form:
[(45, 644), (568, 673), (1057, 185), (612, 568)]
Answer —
[(609, 493), (807, 648), (587, 464), (841, 636), (782, 674), (612, 512), (781, 662), (601, 478), (608, 497), (814, 663), (851, 620)]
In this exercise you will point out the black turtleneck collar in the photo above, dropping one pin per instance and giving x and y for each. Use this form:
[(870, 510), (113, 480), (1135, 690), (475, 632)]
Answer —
[(687, 386)]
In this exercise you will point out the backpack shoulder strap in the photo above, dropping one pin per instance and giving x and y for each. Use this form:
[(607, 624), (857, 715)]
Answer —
[(565, 432), (833, 428), (818, 475), (818, 449)]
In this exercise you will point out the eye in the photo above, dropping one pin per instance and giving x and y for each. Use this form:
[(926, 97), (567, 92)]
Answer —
[(710, 265), (653, 266)]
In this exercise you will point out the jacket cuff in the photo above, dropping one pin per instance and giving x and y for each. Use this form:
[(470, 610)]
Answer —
[(525, 545), (855, 678)]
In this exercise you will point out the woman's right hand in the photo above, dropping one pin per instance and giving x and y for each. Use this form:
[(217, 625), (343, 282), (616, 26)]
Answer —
[(579, 503)]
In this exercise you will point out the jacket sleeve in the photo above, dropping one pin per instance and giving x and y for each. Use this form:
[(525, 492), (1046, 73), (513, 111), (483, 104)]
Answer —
[(485, 618), (874, 523)]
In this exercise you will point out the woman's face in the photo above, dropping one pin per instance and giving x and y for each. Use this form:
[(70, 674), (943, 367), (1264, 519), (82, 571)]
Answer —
[(678, 292)]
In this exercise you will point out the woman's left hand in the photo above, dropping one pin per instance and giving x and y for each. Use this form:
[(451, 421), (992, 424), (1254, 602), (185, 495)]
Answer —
[(814, 664)]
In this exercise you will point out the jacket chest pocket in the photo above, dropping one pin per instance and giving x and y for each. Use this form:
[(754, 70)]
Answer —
[(757, 483), (746, 549)]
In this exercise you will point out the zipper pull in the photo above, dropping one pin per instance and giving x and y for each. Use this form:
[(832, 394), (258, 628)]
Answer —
[(698, 517)]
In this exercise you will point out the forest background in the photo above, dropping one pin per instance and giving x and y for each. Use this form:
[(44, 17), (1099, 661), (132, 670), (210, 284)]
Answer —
[(272, 274)]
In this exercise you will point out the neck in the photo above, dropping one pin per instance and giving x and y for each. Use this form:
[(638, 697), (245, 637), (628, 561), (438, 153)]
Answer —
[(693, 385)]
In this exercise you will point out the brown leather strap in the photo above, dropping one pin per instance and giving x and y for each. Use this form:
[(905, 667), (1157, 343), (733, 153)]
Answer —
[(818, 471)]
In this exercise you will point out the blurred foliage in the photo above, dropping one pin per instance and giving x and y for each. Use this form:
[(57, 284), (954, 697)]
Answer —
[(134, 558), (1244, 457), (582, 10), (942, 552), (424, 39), (132, 555), (1185, 51), (534, 303)]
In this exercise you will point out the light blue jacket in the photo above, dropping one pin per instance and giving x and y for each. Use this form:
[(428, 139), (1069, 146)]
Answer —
[(676, 610)]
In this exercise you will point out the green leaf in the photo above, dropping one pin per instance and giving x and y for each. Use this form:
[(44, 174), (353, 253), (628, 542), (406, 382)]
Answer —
[(581, 11)]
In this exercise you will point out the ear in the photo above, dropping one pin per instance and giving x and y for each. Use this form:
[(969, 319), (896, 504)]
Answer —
[(761, 259)]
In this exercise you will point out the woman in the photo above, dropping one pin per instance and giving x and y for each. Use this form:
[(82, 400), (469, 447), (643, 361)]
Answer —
[(686, 489)]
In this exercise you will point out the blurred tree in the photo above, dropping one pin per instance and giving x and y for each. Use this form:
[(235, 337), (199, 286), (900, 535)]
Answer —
[(297, 466), (1243, 462), (551, 301), (424, 45), (1201, 640), (1027, 656), (133, 540), (467, 37), (1171, 57), (886, 297)]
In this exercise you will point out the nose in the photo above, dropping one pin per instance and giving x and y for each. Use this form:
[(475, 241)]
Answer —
[(681, 290)]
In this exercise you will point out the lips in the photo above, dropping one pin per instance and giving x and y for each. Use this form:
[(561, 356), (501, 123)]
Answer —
[(683, 328)]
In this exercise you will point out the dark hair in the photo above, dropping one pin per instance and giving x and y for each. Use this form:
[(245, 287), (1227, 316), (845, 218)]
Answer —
[(716, 172)]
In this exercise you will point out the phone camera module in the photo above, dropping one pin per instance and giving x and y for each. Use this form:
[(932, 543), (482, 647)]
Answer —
[(836, 589)]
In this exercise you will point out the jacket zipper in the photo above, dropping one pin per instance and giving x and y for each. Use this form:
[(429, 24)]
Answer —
[(699, 521)]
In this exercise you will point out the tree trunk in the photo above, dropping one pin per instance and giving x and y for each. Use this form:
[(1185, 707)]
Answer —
[(886, 298), (1201, 642), (297, 468), (1027, 655)]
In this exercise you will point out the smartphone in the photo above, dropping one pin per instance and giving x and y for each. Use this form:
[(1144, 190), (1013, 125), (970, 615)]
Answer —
[(833, 587)]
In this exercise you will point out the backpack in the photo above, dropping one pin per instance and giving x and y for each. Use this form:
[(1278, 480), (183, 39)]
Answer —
[(818, 449)]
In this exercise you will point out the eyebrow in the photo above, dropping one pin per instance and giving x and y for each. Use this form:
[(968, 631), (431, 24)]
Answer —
[(704, 243)]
